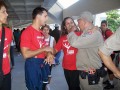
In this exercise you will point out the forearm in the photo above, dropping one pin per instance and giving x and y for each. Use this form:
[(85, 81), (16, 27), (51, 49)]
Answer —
[(85, 40), (72, 37), (108, 63), (30, 53)]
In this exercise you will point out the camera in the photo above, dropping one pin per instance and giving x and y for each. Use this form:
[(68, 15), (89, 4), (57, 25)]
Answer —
[(93, 79), (102, 72)]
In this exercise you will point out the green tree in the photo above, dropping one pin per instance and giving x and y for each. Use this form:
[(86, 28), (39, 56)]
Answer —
[(113, 18)]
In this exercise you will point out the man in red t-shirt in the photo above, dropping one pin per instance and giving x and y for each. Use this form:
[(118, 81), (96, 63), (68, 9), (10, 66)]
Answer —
[(106, 34), (33, 49), (6, 82)]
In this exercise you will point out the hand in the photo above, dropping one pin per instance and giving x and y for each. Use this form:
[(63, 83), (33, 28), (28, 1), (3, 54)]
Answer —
[(72, 28), (49, 59)]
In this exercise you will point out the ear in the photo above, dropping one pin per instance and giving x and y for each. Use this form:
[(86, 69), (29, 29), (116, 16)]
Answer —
[(38, 16)]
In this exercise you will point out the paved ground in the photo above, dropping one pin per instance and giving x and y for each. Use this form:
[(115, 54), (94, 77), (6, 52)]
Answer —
[(57, 82)]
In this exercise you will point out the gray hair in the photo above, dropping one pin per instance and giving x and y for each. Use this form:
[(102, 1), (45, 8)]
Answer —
[(86, 16)]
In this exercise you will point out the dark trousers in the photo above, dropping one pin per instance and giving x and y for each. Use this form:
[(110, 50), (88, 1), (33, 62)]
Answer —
[(12, 55), (44, 86), (72, 78), (6, 82), (57, 56), (36, 73)]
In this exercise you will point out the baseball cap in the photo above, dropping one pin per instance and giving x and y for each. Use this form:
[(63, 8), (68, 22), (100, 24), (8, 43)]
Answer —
[(86, 16)]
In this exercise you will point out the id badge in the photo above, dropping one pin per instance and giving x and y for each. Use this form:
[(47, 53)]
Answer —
[(70, 51)]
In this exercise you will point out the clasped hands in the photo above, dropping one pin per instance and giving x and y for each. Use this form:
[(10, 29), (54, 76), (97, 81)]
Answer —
[(49, 56)]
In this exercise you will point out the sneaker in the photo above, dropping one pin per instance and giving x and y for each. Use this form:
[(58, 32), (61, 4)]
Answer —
[(109, 86), (106, 82)]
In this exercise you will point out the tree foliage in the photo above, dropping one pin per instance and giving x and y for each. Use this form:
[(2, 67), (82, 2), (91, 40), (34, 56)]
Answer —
[(113, 18)]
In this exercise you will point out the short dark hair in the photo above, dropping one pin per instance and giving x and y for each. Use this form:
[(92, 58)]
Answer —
[(38, 10), (2, 3), (104, 21)]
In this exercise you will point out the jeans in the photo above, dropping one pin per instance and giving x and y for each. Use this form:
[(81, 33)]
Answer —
[(57, 57), (36, 73)]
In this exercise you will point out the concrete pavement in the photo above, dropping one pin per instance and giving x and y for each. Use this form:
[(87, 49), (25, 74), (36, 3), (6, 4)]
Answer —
[(58, 81)]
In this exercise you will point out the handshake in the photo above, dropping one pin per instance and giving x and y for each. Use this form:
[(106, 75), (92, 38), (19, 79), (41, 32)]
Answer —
[(49, 55)]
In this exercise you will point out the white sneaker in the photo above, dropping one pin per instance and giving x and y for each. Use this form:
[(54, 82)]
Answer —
[(48, 87)]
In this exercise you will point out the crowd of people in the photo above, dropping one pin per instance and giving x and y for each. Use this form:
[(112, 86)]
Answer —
[(88, 51)]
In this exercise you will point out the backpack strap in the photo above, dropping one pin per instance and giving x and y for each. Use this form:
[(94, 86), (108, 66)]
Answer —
[(2, 47), (49, 40)]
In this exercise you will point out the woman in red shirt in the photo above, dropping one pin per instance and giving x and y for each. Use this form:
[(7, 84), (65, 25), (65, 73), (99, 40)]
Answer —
[(69, 59), (5, 82)]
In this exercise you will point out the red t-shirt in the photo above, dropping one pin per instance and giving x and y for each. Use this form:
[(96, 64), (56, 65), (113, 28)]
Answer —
[(7, 42), (107, 34), (69, 58), (33, 39)]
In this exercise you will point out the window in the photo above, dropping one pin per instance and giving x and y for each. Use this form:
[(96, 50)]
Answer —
[(66, 3)]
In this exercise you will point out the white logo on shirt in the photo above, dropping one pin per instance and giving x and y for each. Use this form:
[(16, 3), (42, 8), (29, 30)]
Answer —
[(5, 39), (6, 45), (4, 55), (40, 40), (67, 46)]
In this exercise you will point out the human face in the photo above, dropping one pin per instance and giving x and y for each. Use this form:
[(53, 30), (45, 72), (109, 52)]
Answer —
[(81, 24), (46, 31), (42, 18), (103, 26), (69, 25), (3, 15)]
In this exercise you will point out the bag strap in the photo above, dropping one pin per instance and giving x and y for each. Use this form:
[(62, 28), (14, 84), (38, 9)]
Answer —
[(49, 40), (2, 47)]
